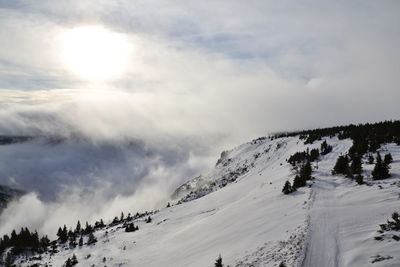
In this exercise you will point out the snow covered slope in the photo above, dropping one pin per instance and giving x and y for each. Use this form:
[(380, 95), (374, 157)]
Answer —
[(238, 210)]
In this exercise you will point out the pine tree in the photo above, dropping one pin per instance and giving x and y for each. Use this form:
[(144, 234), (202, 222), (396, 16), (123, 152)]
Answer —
[(74, 260), (325, 148), (80, 243), (299, 182), (370, 159), (287, 188), (359, 179), (342, 166), (91, 239), (62, 234), (72, 241), (305, 171), (78, 228), (59, 233), (388, 159), (314, 155), (44, 242), (148, 220), (131, 227), (218, 262), (68, 263), (356, 165), (380, 171), (53, 247), (9, 261), (88, 229)]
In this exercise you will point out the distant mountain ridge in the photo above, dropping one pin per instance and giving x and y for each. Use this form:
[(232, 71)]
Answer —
[(13, 139)]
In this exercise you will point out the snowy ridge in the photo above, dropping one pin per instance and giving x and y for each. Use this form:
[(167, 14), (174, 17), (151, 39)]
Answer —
[(248, 220), (231, 165)]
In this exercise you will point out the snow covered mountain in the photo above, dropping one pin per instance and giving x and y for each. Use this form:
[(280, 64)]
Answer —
[(238, 211)]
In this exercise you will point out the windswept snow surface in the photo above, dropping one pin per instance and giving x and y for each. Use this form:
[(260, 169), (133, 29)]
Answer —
[(251, 223), (345, 217)]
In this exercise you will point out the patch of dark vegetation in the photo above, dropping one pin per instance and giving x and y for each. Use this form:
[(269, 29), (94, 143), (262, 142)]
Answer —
[(378, 258), (30, 244), (389, 229), (366, 137), (300, 180), (288, 188), (302, 157), (218, 262)]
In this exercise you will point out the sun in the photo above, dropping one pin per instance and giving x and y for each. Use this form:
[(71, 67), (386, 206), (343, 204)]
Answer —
[(95, 53)]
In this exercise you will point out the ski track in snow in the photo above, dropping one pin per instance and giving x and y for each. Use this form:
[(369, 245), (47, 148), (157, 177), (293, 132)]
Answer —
[(341, 212), (322, 244)]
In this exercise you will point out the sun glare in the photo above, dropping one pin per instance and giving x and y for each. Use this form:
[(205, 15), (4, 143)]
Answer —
[(95, 53)]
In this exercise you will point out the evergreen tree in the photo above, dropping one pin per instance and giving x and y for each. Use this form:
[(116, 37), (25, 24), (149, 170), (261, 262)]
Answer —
[(395, 224), (299, 182), (88, 228), (91, 239), (218, 262), (53, 247), (287, 188), (359, 179), (80, 243), (325, 148), (305, 171), (59, 233), (388, 159), (122, 217), (9, 261), (78, 228), (148, 220), (370, 159), (74, 260), (314, 155), (342, 166), (380, 171), (65, 231), (356, 165), (68, 263), (72, 241), (130, 227), (44, 242), (115, 221), (62, 234)]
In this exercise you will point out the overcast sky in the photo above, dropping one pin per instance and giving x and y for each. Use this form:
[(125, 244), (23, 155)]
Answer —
[(206, 68)]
